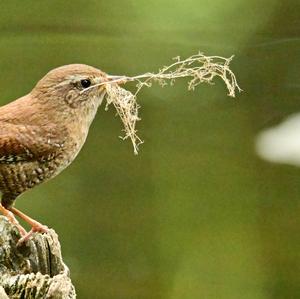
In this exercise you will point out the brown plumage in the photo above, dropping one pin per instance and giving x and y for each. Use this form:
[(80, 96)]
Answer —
[(42, 132)]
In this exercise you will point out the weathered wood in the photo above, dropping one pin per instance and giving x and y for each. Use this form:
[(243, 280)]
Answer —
[(33, 270)]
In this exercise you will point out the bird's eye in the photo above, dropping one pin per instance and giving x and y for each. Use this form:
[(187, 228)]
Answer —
[(85, 83)]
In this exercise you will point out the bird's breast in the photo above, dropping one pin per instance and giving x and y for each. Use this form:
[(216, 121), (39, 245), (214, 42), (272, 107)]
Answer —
[(70, 149)]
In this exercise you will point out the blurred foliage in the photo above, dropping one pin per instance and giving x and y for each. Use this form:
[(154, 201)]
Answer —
[(196, 214)]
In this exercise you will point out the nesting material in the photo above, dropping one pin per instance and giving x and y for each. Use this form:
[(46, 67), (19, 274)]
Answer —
[(199, 68), (127, 108)]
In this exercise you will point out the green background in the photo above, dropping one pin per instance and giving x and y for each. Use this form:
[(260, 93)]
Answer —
[(196, 214)]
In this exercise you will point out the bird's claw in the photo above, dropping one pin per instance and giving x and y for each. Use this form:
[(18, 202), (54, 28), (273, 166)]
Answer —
[(10, 216), (39, 228)]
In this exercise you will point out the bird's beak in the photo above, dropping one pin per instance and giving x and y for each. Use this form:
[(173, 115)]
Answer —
[(111, 77)]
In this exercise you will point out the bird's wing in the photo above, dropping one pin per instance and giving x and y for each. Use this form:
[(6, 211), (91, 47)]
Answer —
[(28, 143)]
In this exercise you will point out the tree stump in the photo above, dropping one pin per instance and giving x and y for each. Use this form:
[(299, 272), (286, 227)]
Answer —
[(33, 270)]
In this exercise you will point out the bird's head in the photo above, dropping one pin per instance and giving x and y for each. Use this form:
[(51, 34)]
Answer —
[(71, 90)]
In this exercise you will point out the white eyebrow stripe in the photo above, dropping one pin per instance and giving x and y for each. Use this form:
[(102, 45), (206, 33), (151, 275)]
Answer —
[(65, 82), (77, 78), (71, 79)]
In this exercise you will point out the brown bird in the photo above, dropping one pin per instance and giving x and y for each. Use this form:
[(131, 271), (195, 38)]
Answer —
[(42, 132)]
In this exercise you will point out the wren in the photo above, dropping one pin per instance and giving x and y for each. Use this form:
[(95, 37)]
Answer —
[(42, 132)]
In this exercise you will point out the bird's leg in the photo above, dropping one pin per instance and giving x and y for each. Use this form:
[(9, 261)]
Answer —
[(12, 219), (35, 225)]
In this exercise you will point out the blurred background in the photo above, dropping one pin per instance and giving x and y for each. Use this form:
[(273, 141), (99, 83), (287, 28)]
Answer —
[(196, 214)]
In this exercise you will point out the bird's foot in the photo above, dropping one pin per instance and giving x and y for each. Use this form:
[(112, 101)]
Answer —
[(36, 228), (35, 225), (12, 219)]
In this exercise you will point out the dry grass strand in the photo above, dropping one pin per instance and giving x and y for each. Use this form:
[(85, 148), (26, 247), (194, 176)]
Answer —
[(199, 68), (127, 108)]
